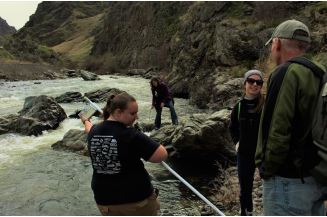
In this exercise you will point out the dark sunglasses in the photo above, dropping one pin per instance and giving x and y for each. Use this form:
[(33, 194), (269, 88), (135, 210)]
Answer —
[(252, 81)]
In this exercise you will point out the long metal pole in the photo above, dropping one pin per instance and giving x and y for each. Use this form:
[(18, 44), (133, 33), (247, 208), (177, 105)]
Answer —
[(193, 189)]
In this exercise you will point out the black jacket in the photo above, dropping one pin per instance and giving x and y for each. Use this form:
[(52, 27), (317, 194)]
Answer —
[(160, 94), (244, 125)]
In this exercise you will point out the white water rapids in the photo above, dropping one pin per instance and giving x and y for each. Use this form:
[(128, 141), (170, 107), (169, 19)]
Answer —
[(36, 180)]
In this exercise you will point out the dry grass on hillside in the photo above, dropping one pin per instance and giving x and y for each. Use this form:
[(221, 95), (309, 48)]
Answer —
[(78, 46)]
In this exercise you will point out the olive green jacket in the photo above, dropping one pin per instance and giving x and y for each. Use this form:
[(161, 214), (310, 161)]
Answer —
[(291, 120)]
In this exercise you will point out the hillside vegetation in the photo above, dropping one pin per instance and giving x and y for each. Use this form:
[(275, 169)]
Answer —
[(78, 45), (58, 32), (188, 43)]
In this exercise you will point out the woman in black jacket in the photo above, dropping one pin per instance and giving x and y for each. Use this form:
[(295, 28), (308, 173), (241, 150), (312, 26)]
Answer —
[(161, 97), (244, 125)]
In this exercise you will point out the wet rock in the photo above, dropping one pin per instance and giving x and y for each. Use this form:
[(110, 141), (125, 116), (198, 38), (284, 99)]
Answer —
[(88, 76), (71, 73), (102, 95), (146, 127), (76, 112), (38, 114), (70, 97), (74, 140), (199, 135), (133, 72), (164, 135)]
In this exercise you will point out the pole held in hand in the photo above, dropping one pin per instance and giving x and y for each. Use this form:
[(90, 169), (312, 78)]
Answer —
[(94, 105)]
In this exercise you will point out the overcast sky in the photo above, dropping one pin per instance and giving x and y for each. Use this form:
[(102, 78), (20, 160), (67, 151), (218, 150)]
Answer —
[(17, 13)]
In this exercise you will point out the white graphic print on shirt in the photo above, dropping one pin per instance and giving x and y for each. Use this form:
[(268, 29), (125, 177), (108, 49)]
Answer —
[(104, 152)]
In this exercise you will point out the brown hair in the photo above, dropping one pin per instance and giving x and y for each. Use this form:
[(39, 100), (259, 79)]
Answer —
[(261, 100), (114, 102), (154, 79)]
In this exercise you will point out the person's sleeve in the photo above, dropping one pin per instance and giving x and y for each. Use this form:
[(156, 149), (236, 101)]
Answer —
[(145, 146), (153, 100), (279, 138), (165, 92), (234, 129)]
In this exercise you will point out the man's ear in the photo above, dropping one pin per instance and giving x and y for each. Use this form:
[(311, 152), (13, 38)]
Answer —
[(278, 44)]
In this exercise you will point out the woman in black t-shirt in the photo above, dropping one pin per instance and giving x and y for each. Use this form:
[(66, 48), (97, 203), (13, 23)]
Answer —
[(120, 183), (244, 127)]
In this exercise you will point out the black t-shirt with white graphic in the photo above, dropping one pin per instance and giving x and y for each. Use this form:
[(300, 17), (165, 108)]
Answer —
[(119, 175)]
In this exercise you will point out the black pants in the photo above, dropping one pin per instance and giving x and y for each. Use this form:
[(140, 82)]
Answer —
[(246, 168)]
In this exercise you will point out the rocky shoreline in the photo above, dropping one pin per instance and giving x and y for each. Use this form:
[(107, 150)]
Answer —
[(197, 133), (23, 71), (227, 193)]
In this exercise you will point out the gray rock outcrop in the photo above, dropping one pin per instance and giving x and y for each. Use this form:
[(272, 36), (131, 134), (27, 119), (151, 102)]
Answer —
[(74, 140), (38, 114), (88, 76), (225, 93), (199, 136), (71, 73), (70, 97), (102, 95), (5, 29)]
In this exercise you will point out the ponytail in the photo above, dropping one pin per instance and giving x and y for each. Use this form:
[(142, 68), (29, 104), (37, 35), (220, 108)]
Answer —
[(115, 102)]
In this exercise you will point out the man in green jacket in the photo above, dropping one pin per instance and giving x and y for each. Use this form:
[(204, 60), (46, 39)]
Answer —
[(285, 128)]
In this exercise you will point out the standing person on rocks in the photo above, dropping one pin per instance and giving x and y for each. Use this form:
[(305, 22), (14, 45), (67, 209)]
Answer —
[(120, 183), (285, 128), (161, 97), (243, 127)]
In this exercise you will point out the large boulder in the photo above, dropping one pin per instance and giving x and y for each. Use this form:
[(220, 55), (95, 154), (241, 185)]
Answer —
[(134, 72), (38, 114), (70, 97), (102, 95), (89, 76), (200, 136), (71, 73), (226, 92), (74, 140)]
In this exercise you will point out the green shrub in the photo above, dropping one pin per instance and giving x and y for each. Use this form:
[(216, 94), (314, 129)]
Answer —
[(4, 54)]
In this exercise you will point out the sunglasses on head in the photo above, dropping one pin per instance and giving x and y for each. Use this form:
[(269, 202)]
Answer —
[(252, 81)]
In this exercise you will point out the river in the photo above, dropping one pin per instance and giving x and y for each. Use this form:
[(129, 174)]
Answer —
[(36, 180)]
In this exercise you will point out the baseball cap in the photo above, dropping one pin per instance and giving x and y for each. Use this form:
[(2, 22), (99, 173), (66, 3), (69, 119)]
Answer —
[(291, 29)]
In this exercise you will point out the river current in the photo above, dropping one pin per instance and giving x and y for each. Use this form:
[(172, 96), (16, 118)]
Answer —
[(36, 180)]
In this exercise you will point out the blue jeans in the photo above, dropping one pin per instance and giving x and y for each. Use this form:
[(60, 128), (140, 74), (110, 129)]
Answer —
[(173, 115), (245, 169), (285, 196)]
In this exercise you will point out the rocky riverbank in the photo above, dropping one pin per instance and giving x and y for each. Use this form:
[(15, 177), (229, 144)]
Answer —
[(22, 71), (37, 180), (227, 192)]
